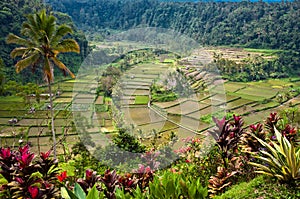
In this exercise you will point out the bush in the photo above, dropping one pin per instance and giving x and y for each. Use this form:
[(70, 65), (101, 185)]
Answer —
[(27, 178), (260, 187)]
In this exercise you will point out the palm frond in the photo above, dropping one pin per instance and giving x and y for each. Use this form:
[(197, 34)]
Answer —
[(45, 39), (62, 66), (32, 24), (21, 51), (25, 52), (14, 39), (61, 31), (50, 26), (67, 45), (40, 19), (28, 61)]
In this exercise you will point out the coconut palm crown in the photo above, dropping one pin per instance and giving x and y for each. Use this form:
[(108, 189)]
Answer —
[(43, 41)]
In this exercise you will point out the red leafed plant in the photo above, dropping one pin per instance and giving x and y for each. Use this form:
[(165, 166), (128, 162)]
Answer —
[(61, 177), (111, 182), (27, 178), (227, 135), (91, 178), (249, 143)]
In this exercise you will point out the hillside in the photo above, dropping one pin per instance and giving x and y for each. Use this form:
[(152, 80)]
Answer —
[(151, 113), (249, 24)]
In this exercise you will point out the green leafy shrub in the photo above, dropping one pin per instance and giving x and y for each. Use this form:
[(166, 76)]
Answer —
[(174, 185), (197, 160), (169, 185), (82, 160), (78, 193), (128, 142)]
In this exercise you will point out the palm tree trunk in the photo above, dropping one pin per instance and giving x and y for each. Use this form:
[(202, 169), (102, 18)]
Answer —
[(52, 119)]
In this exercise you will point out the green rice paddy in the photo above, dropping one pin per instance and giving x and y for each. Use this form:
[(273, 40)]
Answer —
[(254, 100)]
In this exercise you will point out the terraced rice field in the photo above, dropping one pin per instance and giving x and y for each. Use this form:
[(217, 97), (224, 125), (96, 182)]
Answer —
[(30, 126), (186, 107), (161, 117), (254, 100), (251, 99), (238, 103)]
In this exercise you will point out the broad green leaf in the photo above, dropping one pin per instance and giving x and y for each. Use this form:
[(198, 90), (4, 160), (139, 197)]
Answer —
[(67, 194), (79, 191), (138, 193), (64, 193), (93, 193), (36, 175)]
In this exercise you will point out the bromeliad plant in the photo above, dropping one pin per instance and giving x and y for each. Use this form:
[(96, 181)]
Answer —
[(280, 159)]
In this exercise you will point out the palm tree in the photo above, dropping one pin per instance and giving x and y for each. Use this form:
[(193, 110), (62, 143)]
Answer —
[(42, 41)]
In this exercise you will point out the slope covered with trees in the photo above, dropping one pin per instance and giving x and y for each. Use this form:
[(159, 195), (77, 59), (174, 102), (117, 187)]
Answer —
[(251, 24)]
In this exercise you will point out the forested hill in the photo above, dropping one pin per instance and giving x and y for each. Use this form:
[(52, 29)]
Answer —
[(250, 24), (12, 15)]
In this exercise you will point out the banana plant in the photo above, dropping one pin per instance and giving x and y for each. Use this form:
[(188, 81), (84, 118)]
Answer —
[(280, 160)]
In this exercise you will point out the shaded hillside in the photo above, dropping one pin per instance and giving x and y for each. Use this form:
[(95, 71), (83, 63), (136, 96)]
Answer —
[(251, 24)]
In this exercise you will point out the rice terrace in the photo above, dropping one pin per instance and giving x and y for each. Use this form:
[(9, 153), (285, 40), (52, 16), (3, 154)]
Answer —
[(183, 116), (149, 99)]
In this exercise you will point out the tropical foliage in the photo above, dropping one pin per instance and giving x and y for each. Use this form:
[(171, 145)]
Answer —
[(25, 177), (279, 159), (43, 41), (13, 14), (197, 173), (267, 152)]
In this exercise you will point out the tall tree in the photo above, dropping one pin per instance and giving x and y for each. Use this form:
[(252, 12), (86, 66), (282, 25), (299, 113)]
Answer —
[(42, 41)]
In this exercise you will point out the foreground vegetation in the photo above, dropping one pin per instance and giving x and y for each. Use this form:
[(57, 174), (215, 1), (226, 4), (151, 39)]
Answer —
[(238, 158)]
